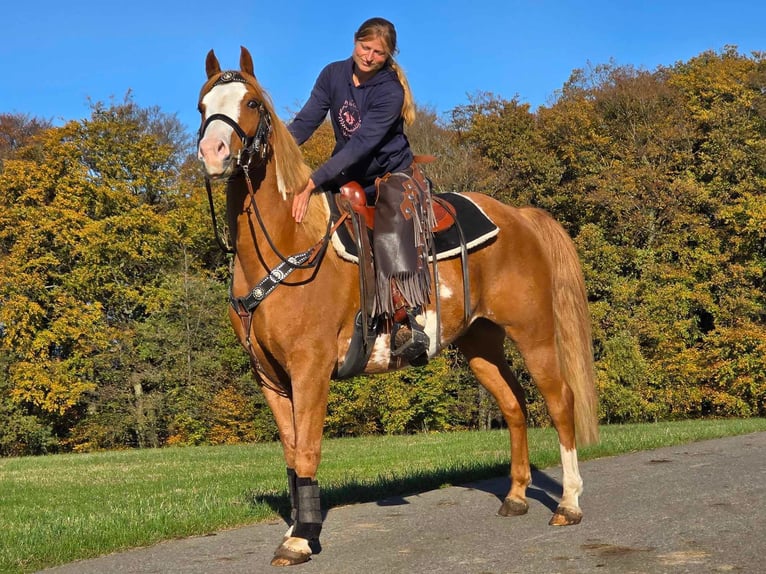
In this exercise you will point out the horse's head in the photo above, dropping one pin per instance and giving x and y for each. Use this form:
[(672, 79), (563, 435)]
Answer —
[(236, 118)]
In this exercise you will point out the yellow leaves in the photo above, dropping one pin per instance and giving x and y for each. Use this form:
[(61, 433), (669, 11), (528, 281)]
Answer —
[(21, 319), (17, 178), (712, 81), (53, 386), (54, 342), (135, 237), (232, 415), (53, 338), (78, 325), (747, 214)]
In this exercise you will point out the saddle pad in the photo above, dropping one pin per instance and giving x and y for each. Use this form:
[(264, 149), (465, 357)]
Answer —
[(476, 226)]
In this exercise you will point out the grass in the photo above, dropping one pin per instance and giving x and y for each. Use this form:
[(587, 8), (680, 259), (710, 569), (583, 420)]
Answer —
[(61, 508)]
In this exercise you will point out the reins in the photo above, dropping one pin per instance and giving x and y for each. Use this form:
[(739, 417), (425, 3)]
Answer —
[(222, 243), (308, 259), (317, 250)]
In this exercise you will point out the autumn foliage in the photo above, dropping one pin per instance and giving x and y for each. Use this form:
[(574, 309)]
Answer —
[(113, 330)]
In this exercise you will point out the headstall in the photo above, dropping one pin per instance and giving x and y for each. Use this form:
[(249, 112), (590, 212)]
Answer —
[(255, 146)]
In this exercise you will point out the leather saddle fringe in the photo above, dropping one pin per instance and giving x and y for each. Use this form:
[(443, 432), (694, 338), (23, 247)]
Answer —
[(401, 239)]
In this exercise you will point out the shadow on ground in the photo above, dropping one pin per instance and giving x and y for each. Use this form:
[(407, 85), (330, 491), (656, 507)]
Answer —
[(393, 490)]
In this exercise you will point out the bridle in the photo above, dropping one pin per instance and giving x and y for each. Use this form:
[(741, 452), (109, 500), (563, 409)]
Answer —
[(253, 147)]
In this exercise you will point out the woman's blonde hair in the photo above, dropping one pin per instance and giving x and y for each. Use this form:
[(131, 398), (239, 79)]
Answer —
[(383, 29)]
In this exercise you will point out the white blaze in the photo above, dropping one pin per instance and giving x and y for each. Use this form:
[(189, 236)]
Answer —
[(224, 99)]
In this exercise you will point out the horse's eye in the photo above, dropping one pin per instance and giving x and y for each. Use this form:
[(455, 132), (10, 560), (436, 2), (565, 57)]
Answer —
[(252, 104), (199, 108)]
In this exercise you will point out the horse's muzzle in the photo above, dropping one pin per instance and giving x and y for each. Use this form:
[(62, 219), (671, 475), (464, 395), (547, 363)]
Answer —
[(216, 157)]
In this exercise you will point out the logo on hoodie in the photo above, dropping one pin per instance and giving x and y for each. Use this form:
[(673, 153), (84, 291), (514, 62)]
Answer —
[(349, 118)]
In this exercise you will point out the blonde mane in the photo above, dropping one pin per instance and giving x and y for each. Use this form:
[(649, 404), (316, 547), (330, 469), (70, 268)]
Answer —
[(292, 172)]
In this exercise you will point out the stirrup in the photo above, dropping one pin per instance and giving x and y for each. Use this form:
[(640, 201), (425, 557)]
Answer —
[(414, 349)]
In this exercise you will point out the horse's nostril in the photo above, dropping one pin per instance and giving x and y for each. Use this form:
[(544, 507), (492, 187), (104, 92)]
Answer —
[(213, 149)]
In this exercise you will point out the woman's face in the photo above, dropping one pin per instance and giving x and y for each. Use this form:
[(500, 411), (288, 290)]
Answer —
[(370, 55)]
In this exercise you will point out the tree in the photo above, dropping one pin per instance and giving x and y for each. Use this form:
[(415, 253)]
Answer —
[(17, 131), (458, 166), (660, 178), (505, 136), (432, 398), (86, 242)]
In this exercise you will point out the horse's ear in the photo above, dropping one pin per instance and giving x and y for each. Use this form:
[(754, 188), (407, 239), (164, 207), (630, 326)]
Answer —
[(212, 67), (246, 61)]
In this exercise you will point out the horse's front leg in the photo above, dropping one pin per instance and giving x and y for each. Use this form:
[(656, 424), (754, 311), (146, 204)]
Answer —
[(281, 406), (309, 407)]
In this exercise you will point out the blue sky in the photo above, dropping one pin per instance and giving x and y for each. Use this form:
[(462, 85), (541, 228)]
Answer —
[(56, 56)]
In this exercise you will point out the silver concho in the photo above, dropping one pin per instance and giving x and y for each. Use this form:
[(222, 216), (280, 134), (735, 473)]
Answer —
[(277, 275), (229, 76), (258, 293)]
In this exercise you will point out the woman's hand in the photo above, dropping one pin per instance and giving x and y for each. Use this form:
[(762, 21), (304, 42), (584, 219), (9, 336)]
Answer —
[(301, 201)]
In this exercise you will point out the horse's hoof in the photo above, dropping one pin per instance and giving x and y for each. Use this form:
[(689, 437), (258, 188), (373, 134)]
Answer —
[(513, 507), (284, 556), (565, 517)]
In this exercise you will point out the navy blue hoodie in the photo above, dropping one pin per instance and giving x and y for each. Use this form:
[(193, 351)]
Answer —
[(367, 120)]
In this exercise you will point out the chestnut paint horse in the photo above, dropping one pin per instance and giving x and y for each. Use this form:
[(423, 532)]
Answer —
[(526, 284)]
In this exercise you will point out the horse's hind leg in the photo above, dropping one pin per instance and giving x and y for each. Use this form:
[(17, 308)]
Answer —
[(542, 361), (482, 345)]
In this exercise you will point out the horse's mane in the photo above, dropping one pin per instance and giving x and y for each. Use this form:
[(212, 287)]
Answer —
[(292, 172)]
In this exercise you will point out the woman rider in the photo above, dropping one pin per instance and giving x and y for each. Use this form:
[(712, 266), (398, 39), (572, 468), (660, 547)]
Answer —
[(369, 101)]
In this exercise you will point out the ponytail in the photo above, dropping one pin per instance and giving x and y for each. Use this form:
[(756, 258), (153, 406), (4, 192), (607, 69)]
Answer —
[(408, 107)]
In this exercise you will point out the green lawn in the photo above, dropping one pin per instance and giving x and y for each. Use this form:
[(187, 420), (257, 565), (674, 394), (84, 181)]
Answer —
[(57, 509)]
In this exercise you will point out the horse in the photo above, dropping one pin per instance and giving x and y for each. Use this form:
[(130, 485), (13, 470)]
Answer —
[(526, 284)]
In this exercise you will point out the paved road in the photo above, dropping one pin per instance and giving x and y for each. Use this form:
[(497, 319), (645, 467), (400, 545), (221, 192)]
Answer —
[(692, 508)]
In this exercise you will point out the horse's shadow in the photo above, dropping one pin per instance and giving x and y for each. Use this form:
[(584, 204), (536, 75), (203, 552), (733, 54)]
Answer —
[(543, 489), (393, 491)]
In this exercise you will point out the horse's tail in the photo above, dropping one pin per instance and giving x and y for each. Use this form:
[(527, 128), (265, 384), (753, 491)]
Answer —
[(572, 324)]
